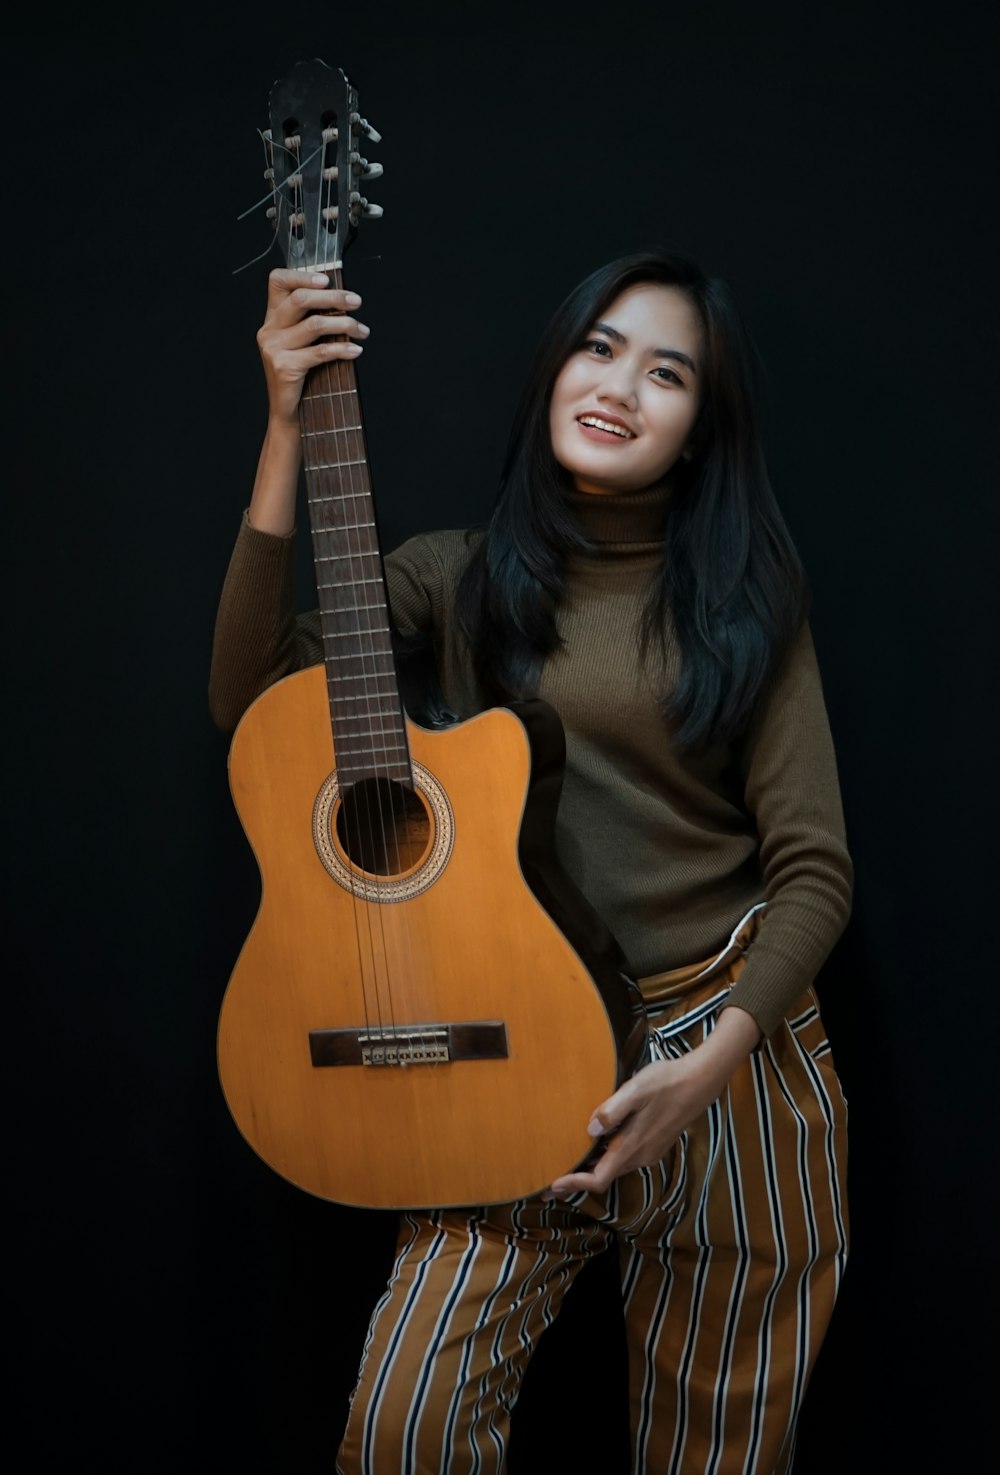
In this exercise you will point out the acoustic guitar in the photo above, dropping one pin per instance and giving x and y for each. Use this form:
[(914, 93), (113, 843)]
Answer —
[(426, 1009)]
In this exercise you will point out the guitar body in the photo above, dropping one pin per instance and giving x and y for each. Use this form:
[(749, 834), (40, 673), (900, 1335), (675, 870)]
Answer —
[(474, 922)]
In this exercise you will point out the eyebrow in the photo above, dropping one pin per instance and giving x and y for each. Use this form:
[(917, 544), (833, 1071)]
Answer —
[(659, 353)]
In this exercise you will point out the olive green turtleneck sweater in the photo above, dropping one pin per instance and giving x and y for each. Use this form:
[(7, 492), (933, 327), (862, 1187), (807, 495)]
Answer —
[(672, 849)]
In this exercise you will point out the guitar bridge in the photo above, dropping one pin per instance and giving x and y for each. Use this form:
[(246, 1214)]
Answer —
[(410, 1044), (424, 1045)]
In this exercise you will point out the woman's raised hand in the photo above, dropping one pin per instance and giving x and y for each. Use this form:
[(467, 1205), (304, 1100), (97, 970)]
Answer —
[(305, 325)]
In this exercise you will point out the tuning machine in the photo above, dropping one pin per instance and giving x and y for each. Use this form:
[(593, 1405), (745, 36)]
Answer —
[(363, 170), (360, 207), (362, 125)]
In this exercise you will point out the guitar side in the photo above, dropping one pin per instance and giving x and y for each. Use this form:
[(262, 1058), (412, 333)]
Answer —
[(458, 937)]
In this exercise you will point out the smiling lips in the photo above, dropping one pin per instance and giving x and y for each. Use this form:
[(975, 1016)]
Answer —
[(606, 427)]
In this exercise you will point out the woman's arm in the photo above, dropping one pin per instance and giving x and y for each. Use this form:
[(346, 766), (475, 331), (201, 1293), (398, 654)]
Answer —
[(645, 1116), (791, 788)]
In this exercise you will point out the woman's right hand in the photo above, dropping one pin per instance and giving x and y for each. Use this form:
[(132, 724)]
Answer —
[(304, 325)]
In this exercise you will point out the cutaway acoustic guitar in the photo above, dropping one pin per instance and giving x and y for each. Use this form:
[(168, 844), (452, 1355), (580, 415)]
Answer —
[(426, 1010)]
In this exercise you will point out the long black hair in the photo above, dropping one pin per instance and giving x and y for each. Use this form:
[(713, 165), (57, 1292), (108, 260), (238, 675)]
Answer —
[(732, 585)]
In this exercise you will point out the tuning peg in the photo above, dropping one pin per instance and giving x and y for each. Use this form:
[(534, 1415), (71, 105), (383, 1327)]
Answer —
[(362, 125), (361, 206), (364, 170)]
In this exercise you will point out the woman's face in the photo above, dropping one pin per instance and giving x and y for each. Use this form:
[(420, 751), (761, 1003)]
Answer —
[(625, 402)]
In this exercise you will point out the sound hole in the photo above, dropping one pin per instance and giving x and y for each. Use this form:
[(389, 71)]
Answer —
[(383, 826)]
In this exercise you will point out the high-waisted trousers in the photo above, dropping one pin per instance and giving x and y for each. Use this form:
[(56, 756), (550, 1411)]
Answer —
[(731, 1254)]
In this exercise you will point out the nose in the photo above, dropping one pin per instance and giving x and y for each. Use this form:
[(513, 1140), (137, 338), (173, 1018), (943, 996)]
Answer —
[(618, 384)]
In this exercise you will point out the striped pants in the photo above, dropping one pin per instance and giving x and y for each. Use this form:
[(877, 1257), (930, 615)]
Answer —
[(731, 1255)]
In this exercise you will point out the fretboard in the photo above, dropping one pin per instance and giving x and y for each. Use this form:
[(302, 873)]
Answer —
[(366, 713)]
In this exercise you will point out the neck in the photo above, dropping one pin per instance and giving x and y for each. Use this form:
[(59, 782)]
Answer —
[(622, 517)]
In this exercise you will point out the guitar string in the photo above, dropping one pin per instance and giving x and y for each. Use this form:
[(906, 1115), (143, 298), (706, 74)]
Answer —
[(355, 816), (369, 602), (372, 601), (310, 423), (272, 197), (357, 489), (326, 419)]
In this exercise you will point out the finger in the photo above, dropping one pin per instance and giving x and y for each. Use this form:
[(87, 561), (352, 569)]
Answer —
[(306, 289), (612, 1163), (283, 280), (610, 1115), (304, 304), (561, 1188), (292, 365), (317, 325), (322, 353)]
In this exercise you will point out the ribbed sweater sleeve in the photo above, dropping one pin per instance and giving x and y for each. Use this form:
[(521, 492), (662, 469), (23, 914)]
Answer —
[(258, 638), (792, 792)]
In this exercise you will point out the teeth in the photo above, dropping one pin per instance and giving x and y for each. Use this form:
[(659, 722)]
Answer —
[(606, 425)]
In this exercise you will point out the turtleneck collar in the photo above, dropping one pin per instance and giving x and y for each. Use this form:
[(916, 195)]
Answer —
[(622, 518)]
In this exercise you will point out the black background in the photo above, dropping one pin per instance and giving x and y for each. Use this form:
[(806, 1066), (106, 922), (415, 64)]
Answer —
[(169, 1296)]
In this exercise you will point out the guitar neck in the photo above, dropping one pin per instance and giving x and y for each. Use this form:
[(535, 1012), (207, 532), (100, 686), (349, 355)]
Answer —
[(366, 711)]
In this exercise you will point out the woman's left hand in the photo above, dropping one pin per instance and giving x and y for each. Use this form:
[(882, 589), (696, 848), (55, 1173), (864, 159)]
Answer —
[(645, 1116)]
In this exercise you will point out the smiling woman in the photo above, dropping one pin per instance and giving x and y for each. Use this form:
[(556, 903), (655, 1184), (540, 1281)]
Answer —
[(623, 408), (637, 575)]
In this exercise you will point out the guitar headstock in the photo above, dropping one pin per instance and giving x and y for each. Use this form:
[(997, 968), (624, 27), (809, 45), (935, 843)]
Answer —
[(316, 166)]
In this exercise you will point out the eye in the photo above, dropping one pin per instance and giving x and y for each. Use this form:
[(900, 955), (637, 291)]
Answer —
[(667, 375), (597, 346)]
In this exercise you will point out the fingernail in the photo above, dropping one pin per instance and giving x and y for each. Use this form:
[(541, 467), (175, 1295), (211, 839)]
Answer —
[(352, 299), (319, 280), (594, 1128), (355, 348)]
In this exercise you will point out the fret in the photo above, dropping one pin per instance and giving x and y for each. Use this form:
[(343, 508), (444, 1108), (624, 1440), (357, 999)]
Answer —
[(341, 526), (353, 609), (344, 583), (367, 676), (333, 466), (362, 739), (361, 630), (325, 394), (391, 711), (377, 607), (366, 711), (343, 496), (395, 746), (361, 553), (368, 764), (391, 768)]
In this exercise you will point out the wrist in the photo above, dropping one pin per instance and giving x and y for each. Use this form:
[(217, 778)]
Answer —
[(735, 1036), (272, 503)]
